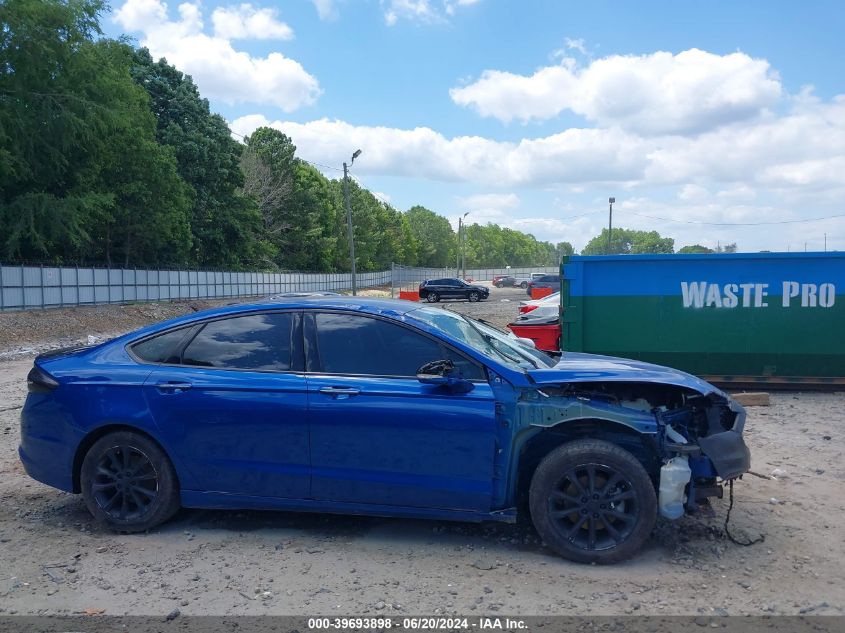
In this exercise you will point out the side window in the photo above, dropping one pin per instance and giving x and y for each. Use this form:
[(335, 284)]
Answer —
[(162, 348), (256, 341), (468, 369), (352, 344)]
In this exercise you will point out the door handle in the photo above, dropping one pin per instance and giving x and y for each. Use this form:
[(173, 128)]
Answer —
[(340, 392), (173, 387)]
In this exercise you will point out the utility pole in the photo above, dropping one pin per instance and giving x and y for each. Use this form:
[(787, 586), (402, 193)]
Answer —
[(825, 242), (610, 223), (462, 258), (349, 220), (458, 249)]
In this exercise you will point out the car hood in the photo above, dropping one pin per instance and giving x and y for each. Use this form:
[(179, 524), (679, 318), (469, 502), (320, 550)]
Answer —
[(577, 367), (481, 288)]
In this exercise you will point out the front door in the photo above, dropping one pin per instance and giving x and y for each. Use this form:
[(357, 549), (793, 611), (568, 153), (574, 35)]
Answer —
[(234, 402), (379, 436)]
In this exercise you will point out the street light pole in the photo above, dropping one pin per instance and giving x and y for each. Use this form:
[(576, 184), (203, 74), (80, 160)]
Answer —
[(349, 219), (458, 249), (610, 224), (462, 246)]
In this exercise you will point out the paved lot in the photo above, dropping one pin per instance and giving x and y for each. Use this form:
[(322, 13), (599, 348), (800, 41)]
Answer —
[(53, 559)]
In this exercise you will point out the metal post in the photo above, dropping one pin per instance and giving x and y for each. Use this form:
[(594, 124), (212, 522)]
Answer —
[(392, 273), (458, 250), (610, 223), (349, 226)]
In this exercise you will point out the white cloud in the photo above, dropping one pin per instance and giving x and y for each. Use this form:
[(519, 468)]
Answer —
[(247, 22), (799, 150), (576, 45), (326, 9), (575, 155), (489, 201), (421, 10), (221, 71), (659, 93)]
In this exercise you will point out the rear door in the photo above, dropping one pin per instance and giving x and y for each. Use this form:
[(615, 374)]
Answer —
[(379, 436), (233, 401)]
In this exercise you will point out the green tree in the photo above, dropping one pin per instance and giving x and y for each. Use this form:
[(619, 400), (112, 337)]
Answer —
[(565, 249), (434, 235), (226, 225), (695, 248), (495, 246), (79, 149), (629, 242)]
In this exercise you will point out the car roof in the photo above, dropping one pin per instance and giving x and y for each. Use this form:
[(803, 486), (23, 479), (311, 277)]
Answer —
[(370, 305)]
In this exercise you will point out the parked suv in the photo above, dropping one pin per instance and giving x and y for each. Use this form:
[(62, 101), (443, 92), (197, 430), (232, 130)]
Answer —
[(433, 290), (545, 281)]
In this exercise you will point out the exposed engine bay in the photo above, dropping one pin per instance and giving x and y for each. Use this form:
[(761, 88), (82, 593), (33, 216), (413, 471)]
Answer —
[(698, 435)]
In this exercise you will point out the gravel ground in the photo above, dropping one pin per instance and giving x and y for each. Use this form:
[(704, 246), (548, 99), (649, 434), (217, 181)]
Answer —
[(54, 559)]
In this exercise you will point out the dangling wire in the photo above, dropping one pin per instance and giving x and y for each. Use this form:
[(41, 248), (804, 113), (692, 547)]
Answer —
[(747, 543)]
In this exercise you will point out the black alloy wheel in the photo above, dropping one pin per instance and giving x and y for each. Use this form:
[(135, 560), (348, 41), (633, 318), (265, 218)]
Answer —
[(593, 502), (128, 482)]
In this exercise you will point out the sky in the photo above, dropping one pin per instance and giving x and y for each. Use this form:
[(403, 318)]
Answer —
[(711, 122)]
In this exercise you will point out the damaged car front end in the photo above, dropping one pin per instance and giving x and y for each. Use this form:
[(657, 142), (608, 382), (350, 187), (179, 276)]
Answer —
[(687, 424)]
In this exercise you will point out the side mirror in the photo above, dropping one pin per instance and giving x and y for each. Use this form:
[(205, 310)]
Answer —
[(442, 373)]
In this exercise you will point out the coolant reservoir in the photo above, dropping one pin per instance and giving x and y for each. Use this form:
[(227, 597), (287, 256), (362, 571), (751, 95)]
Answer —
[(674, 476)]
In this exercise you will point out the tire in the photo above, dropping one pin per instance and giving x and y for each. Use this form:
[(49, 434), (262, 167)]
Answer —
[(432, 297), (575, 513), (473, 296), (129, 504), (523, 285)]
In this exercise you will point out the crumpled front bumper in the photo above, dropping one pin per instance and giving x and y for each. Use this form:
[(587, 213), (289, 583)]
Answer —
[(727, 450)]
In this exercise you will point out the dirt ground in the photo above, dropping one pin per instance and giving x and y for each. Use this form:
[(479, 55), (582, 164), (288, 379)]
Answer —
[(55, 560)]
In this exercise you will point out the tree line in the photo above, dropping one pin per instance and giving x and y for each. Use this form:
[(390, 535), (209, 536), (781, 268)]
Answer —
[(109, 156)]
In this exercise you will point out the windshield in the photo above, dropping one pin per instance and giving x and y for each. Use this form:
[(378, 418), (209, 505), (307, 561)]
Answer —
[(484, 338)]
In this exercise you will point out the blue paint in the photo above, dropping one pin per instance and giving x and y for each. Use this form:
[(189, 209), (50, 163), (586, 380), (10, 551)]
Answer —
[(306, 440), (662, 275)]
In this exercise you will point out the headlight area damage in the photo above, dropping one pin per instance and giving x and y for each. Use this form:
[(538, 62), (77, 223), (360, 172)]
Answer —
[(688, 441)]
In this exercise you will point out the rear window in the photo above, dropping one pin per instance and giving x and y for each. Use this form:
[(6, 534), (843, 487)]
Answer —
[(163, 348), (547, 278)]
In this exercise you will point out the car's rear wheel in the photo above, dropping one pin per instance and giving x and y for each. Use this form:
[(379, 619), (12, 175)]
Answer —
[(473, 296), (128, 482), (433, 297), (523, 285), (592, 502)]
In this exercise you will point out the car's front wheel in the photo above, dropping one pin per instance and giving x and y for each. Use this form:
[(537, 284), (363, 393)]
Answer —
[(523, 285), (592, 502), (432, 297), (473, 296), (128, 482)]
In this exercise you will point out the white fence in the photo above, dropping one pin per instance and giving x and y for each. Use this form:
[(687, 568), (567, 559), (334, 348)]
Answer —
[(28, 287), (34, 287)]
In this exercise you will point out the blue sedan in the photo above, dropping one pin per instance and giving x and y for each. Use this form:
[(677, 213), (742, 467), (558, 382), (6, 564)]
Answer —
[(380, 407)]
